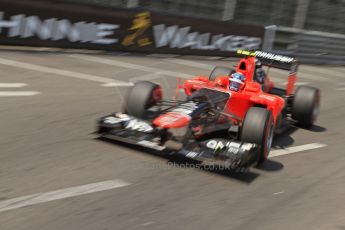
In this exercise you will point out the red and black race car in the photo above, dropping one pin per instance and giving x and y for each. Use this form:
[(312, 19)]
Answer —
[(217, 122)]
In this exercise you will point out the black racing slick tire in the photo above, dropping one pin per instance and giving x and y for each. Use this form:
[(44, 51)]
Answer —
[(306, 106), (258, 128), (220, 71), (142, 96)]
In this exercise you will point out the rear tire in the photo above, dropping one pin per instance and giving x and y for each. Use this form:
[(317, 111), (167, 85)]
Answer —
[(306, 105), (220, 71), (142, 96), (257, 128)]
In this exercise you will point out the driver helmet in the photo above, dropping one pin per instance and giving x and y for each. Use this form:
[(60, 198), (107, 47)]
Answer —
[(236, 81)]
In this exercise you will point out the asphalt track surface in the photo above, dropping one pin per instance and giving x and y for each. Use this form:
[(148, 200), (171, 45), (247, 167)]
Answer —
[(54, 173)]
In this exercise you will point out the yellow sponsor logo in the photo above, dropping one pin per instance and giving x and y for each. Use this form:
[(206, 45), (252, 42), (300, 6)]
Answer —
[(246, 52), (141, 22)]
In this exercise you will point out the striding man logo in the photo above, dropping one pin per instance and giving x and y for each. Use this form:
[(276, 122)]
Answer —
[(141, 22)]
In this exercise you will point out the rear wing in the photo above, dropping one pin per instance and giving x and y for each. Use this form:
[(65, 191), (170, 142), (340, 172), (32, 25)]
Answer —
[(276, 61), (272, 60)]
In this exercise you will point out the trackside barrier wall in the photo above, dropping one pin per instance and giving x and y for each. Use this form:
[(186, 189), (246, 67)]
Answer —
[(70, 25), (311, 47)]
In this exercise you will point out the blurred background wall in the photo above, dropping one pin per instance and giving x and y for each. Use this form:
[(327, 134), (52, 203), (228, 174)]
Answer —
[(318, 15), (312, 30)]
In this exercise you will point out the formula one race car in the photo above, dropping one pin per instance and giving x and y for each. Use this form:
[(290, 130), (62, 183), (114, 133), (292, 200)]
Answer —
[(217, 121)]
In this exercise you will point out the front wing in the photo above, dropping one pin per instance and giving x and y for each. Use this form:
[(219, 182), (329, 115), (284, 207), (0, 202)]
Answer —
[(131, 130)]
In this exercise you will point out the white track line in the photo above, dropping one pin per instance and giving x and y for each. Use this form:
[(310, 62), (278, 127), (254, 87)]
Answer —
[(135, 79), (319, 73), (301, 83), (39, 198), (279, 81), (210, 67), (213, 58), (146, 77), (131, 66), (295, 149), (12, 85), (231, 59), (300, 75), (278, 193), (124, 54), (50, 70), (162, 55), (329, 72), (304, 75), (18, 93), (117, 84), (191, 63)]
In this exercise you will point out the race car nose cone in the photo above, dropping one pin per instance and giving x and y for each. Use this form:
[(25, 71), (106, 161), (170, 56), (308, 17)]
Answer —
[(172, 120)]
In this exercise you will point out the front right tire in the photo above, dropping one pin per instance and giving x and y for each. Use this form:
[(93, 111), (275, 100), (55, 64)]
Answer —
[(258, 128)]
